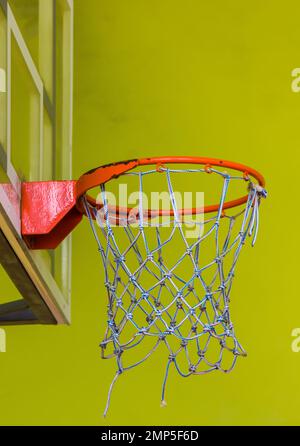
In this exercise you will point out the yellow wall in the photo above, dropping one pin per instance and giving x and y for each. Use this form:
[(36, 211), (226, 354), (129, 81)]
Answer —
[(170, 77)]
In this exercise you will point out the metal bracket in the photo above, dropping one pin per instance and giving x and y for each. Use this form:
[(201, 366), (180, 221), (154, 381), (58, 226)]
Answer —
[(49, 213)]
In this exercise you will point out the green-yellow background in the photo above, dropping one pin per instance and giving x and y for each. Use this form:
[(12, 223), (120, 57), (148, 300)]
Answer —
[(155, 77)]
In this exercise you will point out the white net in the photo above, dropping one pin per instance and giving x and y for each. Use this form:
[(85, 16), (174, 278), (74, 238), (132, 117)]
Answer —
[(167, 289)]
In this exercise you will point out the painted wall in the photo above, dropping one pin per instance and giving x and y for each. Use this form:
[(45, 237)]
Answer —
[(171, 77)]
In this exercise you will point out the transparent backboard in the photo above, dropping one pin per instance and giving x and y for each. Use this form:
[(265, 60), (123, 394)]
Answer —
[(36, 54)]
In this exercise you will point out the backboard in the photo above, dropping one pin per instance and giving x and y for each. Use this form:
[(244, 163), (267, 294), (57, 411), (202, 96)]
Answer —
[(36, 54)]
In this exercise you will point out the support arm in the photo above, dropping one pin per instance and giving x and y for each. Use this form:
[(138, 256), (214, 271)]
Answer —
[(49, 213)]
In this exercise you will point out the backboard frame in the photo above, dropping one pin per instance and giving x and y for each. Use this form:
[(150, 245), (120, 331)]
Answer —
[(43, 300)]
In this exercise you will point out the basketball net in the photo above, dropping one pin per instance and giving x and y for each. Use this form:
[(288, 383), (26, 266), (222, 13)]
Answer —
[(182, 301)]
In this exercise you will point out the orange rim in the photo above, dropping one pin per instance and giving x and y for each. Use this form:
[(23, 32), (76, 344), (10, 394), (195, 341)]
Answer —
[(103, 174)]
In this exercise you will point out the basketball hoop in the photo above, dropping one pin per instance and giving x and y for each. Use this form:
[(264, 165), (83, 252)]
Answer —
[(179, 299), (147, 296), (101, 175)]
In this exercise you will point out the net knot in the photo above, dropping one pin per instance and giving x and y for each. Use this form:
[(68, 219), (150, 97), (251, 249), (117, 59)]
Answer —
[(120, 259), (208, 328), (110, 287), (132, 279), (179, 304), (192, 368), (208, 296), (118, 351), (261, 192), (172, 357), (110, 232)]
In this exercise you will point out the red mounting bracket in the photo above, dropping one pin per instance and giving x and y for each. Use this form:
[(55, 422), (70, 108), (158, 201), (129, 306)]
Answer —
[(48, 212)]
